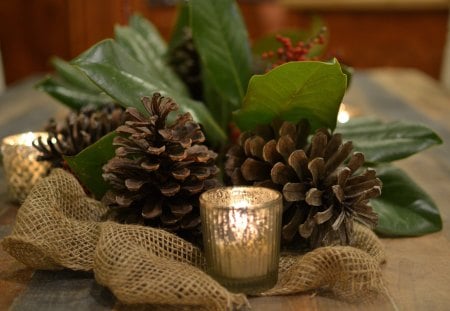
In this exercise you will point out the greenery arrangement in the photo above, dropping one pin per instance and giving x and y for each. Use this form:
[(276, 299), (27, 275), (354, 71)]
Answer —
[(224, 96)]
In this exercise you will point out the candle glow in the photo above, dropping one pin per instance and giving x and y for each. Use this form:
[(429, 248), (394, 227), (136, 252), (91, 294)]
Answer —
[(22, 170), (242, 228)]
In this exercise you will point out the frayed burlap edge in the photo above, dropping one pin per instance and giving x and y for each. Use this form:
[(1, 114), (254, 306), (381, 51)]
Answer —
[(59, 227)]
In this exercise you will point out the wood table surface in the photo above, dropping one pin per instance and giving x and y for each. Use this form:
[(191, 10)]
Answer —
[(417, 271)]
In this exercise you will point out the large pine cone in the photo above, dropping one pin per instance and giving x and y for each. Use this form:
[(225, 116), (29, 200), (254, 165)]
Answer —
[(160, 170), (78, 131), (322, 195)]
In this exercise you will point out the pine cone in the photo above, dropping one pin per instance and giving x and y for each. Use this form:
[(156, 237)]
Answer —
[(160, 170), (322, 195), (185, 61), (79, 130)]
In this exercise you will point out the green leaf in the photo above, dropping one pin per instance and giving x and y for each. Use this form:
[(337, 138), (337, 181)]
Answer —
[(220, 109), (70, 96), (148, 55), (87, 165), (385, 142), (124, 79), (221, 40), (74, 77), (149, 32), (292, 91), (404, 208)]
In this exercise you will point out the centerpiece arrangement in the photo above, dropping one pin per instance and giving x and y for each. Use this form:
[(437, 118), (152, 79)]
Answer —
[(154, 126)]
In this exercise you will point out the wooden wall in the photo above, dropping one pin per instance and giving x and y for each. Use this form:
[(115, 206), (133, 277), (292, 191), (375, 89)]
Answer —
[(31, 31)]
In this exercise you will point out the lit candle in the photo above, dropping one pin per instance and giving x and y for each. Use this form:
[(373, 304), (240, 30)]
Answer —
[(343, 114), (241, 230), (22, 170)]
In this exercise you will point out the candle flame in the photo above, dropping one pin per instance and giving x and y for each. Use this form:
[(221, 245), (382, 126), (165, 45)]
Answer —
[(25, 139), (343, 114)]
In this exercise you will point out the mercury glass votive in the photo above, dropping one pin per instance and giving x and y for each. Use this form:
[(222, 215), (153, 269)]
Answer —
[(22, 170), (241, 234)]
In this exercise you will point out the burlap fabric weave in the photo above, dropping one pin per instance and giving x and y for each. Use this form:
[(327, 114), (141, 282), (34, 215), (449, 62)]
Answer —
[(58, 227)]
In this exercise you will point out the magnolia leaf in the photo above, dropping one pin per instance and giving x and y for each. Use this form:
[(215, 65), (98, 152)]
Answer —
[(149, 56), (116, 72), (70, 96), (123, 78), (87, 165), (404, 208), (74, 77), (385, 142), (221, 40), (149, 32), (292, 91)]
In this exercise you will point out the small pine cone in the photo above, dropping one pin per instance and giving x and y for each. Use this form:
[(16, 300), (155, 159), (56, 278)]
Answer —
[(322, 195), (185, 61), (160, 170), (79, 130)]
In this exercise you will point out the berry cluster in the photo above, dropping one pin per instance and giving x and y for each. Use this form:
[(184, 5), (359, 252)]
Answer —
[(290, 52)]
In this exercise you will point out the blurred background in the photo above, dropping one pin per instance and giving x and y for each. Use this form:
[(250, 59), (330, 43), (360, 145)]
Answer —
[(362, 33)]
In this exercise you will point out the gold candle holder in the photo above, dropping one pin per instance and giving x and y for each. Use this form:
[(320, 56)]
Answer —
[(22, 170), (241, 233)]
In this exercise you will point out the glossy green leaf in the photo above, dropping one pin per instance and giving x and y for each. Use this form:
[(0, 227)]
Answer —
[(385, 142), (293, 91), (72, 97), (149, 32), (87, 165), (123, 78), (149, 56), (220, 110), (221, 40), (404, 208), (74, 77)]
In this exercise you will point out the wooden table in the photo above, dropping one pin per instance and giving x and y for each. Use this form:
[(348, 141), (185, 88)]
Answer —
[(417, 270)]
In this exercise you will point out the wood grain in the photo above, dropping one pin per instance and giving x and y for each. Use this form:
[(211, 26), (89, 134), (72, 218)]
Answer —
[(367, 4), (31, 31), (14, 276)]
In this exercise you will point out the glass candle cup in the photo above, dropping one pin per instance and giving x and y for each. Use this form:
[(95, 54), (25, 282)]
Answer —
[(22, 170), (241, 234)]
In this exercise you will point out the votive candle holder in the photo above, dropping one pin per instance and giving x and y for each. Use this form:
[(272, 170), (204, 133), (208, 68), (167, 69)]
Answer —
[(241, 234), (21, 168)]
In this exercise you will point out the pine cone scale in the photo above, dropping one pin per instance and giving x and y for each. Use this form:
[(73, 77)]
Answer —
[(254, 170), (317, 169), (314, 197), (299, 163), (133, 184), (152, 209), (291, 228), (341, 154), (358, 189), (150, 167), (285, 146), (180, 209), (270, 153), (293, 192), (322, 217), (282, 174)]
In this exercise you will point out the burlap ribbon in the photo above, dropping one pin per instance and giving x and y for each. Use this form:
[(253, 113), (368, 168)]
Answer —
[(59, 227)]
